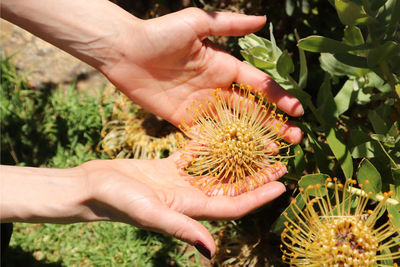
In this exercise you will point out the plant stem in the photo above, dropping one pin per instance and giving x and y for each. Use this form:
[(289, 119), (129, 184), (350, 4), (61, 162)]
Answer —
[(309, 103), (360, 192)]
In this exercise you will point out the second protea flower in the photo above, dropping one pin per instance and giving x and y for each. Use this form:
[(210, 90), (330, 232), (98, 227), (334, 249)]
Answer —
[(339, 230), (234, 142)]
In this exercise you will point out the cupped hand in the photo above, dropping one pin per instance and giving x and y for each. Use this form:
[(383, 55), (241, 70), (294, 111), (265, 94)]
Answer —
[(153, 195), (166, 63)]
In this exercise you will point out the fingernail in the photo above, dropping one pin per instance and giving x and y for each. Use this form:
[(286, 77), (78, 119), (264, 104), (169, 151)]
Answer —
[(202, 249)]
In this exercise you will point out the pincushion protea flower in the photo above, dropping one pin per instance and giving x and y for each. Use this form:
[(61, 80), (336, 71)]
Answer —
[(339, 231), (234, 141), (135, 133)]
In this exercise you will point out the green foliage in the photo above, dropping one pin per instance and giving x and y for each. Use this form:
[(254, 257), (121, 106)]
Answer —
[(351, 122), (96, 244), (60, 127), (51, 127)]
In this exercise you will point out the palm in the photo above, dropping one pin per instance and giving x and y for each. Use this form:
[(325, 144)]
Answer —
[(178, 70), (149, 184), (174, 64)]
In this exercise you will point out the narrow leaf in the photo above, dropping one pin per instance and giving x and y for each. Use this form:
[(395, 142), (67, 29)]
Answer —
[(315, 43), (352, 60), (299, 160), (303, 74), (331, 65), (339, 149), (382, 53)]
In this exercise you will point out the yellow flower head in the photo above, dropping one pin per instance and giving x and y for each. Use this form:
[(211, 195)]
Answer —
[(135, 133), (338, 230), (234, 140)]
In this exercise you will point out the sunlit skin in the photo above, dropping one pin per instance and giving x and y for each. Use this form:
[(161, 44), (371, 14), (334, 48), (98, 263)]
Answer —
[(330, 232), (184, 65)]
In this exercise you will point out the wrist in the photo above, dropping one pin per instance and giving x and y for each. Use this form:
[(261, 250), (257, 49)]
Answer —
[(43, 195)]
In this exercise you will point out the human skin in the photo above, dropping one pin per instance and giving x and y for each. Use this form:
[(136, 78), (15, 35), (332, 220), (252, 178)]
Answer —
[(163, 64)]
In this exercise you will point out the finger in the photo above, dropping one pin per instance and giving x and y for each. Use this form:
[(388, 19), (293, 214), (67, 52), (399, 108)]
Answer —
[(233, 24), (212, 186), (222, 23), (247, 74), (224, 208), (184, 228)]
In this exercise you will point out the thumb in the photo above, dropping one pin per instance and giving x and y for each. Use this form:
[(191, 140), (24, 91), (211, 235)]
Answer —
[(184, 228)]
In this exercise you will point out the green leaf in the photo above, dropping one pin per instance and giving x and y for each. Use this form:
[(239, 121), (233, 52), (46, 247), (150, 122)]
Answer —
[(284, 65), (387, 261), (394, 210), (303, 75), (315, 43), (353, 36), (345, 97), (313, 179), (351, 14), (331, 65), (376, 4), (320, 154), (367, 171), (276, 52), (278, 226), (397, 87), (339, 149), (373, 80), (378, 123), (352, 60), (395, 19), (326, 104), (365, 150), (257, 61), (396, 178), (299, 160), (382, 53), (289, 7), (364, 94), (253, 40)]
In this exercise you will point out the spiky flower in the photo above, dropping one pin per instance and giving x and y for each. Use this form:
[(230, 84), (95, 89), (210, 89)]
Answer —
[(339, 230), (234, 141), (135, 133)]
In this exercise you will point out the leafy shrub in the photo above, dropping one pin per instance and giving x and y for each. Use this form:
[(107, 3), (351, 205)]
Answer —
[(52, 127), (351, 124)]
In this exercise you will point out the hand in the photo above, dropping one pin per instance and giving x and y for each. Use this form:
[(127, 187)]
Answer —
[(164, 64), (151, 194)]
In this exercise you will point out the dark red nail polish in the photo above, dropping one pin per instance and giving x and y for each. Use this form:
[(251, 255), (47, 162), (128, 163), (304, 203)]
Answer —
[(202, 249)]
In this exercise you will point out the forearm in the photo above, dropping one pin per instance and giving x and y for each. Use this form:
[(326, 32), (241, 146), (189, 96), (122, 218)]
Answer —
[(88, 29), (44, 195)]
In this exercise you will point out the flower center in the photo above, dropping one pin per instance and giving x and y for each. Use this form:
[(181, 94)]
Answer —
[(347, 241), (235, 143)]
